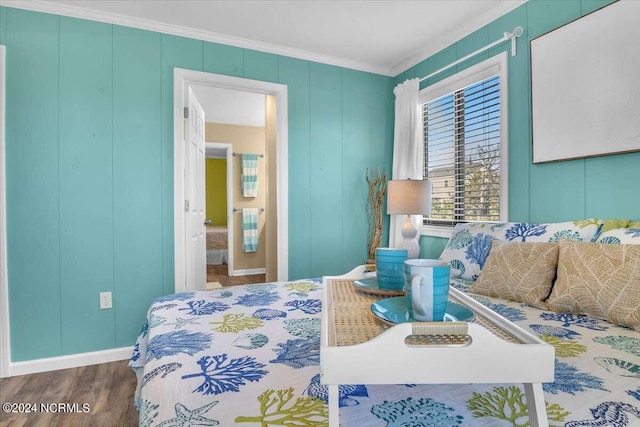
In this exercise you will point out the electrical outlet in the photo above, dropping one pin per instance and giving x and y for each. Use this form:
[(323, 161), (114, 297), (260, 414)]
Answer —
[(105, 300)]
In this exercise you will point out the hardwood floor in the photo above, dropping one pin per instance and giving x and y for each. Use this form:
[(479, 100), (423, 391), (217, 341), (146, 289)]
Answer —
[(97, 395), (218, 273), (106, 389)]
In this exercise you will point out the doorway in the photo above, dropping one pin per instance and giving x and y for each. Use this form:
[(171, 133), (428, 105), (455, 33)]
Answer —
[(220, 235), (182, 80), (219, 213)]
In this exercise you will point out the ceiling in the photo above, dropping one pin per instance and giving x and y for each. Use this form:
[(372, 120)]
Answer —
[(384, 37), (231, 107)]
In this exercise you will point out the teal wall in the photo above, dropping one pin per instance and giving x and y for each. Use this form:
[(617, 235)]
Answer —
[(90, 164), (90, 170), (561, 191)]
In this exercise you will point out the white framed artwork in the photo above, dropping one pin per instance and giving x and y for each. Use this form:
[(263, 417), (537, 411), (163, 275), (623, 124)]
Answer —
[(585, 86)]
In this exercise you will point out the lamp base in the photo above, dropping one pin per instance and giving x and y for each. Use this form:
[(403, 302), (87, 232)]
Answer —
[(409, 241)]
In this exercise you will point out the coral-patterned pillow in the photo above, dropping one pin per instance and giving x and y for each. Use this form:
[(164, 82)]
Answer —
[(468, 248), (619, 236), (470, 243)]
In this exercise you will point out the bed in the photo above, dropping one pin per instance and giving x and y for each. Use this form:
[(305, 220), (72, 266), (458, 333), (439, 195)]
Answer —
[(250, 355), (217, 244)]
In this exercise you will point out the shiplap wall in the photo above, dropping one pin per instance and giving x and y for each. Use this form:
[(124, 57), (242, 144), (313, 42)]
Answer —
[(75, 232), (90, 170), (563, 191)]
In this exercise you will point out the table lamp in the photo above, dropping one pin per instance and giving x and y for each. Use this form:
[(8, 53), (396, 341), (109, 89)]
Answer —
[(409, 197)]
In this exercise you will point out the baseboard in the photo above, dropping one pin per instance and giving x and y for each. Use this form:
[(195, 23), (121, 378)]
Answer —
[(71, 361), (249, 272)]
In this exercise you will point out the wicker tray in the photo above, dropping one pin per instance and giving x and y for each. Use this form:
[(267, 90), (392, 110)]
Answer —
[(355, 323)]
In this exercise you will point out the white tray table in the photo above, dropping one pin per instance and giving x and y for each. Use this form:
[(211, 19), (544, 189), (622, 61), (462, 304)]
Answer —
[(491, 349)]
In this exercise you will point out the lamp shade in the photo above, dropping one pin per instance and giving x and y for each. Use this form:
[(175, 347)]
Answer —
[(409, 197)]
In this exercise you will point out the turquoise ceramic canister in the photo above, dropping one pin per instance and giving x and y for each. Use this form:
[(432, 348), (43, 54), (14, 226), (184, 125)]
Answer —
[(389, 268)]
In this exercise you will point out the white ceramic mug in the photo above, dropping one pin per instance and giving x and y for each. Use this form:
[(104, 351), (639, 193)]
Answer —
[(426, 285)]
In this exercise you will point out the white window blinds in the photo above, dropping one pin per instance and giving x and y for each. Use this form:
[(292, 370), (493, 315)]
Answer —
[(462, 133)]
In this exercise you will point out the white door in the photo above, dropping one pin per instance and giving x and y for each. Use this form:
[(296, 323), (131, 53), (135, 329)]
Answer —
[(195, 251)]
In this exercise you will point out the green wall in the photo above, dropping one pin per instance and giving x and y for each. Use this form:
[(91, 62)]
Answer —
[(216, 190), (90, 170), (561, 191)]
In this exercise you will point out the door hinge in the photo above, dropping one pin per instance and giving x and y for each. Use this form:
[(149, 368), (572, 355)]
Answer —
[(186, 206), (186, 112)]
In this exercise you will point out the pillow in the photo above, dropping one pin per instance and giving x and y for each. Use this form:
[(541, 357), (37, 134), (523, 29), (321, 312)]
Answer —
[(634, 224), (519, 271), (470, 243), (620, 236), (610, 224), (581, 231), (468, 248), (598, 280)]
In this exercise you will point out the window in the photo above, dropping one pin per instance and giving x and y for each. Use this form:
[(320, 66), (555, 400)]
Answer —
[(465, 145)]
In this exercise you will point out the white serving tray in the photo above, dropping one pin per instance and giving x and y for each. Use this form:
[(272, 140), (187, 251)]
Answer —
[(492, 349)]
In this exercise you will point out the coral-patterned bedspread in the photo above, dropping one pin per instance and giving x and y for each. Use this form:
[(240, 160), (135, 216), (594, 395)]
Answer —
[(250, 355)]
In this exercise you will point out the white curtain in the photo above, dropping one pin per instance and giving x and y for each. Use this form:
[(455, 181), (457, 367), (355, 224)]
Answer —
[(408, 149)]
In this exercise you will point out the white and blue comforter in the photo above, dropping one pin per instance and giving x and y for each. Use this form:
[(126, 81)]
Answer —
[(250, 355)]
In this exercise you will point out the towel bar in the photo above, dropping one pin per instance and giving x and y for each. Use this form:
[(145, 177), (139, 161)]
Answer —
[(240, 154), (239, 209)]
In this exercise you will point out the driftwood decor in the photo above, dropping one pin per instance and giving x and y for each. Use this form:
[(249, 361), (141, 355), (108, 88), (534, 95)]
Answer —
[(377, 180)]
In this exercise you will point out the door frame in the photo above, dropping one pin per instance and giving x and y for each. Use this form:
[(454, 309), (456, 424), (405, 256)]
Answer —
[(5, 333), (228, 151), (182, 79)]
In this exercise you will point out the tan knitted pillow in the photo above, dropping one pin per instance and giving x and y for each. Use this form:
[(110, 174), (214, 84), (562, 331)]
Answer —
[(519, 271), (598, 280)]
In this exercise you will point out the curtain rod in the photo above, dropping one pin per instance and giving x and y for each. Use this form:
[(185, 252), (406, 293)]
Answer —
[(517, 32)]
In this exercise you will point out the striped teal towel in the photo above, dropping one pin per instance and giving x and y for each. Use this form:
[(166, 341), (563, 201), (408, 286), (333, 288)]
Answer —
[(250, 230), (250, 175)]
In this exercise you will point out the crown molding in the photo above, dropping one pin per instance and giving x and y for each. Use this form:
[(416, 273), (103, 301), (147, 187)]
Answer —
[(457, 34), (176, 30)]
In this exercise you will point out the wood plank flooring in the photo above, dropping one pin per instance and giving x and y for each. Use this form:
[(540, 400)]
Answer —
[(107, 389), (218, 273)]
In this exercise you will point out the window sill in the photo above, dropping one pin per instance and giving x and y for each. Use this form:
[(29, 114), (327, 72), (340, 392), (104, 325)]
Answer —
[(436, 231)]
